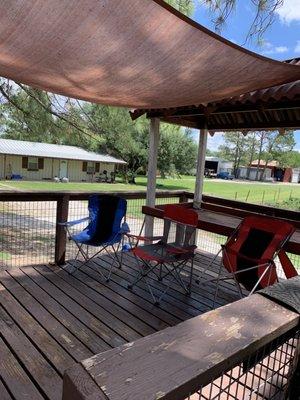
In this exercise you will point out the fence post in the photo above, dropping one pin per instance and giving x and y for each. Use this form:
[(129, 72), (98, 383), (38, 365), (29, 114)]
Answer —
[(183, 198), (62, 211), (247, 196)]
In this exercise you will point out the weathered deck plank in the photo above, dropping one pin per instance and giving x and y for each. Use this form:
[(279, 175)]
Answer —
[(37, 365), (14, 376), (58, 357), (50, 320), (4, 393), (62, 335)]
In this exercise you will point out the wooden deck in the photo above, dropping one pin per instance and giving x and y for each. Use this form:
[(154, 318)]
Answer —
[(49, 320)]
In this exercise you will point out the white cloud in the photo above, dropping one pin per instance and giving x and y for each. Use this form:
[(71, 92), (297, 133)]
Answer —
[(272, 49), (297, 47), (213, 142), (281, 49), (289, 11)]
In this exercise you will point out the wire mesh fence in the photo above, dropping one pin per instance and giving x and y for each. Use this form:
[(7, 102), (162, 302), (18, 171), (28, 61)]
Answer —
[(28, 228), (27, 232), (265, 374), (269, 195)]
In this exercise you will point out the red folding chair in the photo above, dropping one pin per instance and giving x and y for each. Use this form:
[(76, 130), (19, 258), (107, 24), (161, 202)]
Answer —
[(172, 252), (249, 253)]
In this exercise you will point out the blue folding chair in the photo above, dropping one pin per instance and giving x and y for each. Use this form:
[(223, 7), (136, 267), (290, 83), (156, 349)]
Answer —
[(106, 229)]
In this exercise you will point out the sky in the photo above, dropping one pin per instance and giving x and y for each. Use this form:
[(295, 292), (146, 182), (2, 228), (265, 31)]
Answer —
[(281, 41)]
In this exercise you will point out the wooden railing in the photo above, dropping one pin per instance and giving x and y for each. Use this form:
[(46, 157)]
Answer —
[(62, 201), (245, 342), (217, 206)]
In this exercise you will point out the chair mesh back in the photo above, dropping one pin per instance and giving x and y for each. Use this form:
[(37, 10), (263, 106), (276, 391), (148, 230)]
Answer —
[(256, 242), (106, 214)]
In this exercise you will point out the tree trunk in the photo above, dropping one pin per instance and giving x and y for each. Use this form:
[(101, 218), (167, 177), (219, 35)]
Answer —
[(270, 148), (236, 155), (251, 157), (259, 154)]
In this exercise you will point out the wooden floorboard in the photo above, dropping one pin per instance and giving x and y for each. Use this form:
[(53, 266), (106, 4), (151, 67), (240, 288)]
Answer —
[(49, 319), (5, 395)]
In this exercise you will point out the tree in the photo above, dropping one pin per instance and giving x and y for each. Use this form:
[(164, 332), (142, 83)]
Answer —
[(177, 151), (234, 149), (30, 114), (262, 138), (290, 159), (263, 145), (276, 144), (186, 7), (221, 10), (252, 144)]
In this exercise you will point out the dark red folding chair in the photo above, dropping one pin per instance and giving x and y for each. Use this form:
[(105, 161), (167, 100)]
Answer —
[(172, 252), (249, 253)]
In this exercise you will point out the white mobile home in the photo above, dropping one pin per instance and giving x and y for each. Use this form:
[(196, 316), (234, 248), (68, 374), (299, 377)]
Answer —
[(45, 161)]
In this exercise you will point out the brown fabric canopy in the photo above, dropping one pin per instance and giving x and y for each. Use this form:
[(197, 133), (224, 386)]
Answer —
[(134, 53)]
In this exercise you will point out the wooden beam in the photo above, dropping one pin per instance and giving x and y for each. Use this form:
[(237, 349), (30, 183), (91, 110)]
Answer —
[(215, 108), (200, 167), (79, 385), (62, 212), (223, 222), (229, 126), (152, 170), (176, 362)]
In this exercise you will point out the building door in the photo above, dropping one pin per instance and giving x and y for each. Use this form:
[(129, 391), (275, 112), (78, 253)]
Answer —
[(63, 169)]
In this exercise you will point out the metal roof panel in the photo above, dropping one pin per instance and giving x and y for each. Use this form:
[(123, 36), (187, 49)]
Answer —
[(48, 150)]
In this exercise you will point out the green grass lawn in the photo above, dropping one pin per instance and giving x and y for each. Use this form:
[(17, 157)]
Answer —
[(252, 192)]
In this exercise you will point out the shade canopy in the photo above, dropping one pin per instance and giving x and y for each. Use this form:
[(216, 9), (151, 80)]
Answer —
[(133, 53)]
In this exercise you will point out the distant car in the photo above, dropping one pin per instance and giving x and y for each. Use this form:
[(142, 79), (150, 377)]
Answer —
[(225, 175), (210, 173)]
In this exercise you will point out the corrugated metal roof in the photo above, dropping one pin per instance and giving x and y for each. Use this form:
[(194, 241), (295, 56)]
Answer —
[(287, 91), (272, 163), (47, 150), (271, 108)]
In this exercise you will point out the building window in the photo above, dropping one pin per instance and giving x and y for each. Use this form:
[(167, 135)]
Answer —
[(33, 164), (90, 167)]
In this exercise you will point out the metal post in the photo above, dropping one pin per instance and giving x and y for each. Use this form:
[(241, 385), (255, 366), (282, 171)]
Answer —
[(200, 168), (152, 169)]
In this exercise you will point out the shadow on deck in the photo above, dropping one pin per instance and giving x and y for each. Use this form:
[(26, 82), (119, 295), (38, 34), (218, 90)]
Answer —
[(49, 320)]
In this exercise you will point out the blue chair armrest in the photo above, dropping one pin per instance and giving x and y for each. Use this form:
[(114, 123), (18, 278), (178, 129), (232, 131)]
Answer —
[(76, 222)]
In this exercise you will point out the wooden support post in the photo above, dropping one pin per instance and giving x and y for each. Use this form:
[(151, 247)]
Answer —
[(183, 198), (152, 169), (200, 168), (62, 211)]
